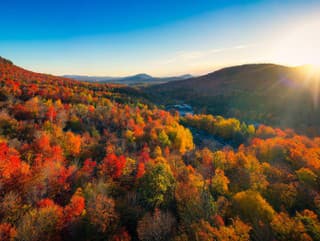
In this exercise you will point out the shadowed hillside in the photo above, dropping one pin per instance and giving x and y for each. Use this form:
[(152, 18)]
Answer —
[(266, 93)]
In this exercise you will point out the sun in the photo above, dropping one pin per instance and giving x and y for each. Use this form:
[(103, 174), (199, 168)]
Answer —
[(313, 71)]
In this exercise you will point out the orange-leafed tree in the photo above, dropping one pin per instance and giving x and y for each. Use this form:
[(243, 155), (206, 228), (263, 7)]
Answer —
[(7, 232), (13, 171)]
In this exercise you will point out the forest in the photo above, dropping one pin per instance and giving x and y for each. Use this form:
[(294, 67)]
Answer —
[(95, 161)]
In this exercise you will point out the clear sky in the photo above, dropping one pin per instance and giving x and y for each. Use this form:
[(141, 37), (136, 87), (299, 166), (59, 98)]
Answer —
[(164, 37)]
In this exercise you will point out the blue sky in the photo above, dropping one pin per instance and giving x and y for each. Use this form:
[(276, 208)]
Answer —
[(157, 37)]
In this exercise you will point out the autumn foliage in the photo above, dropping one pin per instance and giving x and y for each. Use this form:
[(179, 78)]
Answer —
[(91, 161)]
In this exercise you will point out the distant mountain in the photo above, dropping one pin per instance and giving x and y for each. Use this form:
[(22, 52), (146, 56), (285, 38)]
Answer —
[(275, 94), (135, 79), (89, 78), (130, 80)]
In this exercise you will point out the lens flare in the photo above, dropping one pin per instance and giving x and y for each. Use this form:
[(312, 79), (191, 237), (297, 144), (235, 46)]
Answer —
[(313, 78)]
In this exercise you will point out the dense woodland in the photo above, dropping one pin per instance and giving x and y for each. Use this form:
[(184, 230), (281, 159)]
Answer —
[(90, 161)]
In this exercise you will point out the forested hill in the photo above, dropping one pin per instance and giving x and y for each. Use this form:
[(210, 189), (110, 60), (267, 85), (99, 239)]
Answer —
[(265, 93), (89, 161), (27, 84)]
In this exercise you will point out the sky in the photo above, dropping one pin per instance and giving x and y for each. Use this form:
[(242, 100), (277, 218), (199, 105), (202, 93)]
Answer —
[(161, 38)]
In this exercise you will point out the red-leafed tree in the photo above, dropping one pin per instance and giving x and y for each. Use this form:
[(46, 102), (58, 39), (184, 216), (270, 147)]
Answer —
[(75, 208), (51, 113), (112, 165)]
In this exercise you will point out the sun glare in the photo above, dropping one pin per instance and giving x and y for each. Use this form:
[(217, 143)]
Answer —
[(313, 80), (300, 45), (313, 70)]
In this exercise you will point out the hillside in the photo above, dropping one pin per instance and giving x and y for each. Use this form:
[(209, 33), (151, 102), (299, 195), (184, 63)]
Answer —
[(86, 161), (266, 93), (43, 84)]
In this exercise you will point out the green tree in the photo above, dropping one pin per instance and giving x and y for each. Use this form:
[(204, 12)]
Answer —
[(156, 187)]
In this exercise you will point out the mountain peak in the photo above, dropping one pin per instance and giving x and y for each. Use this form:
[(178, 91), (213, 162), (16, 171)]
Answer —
[(144, 75)]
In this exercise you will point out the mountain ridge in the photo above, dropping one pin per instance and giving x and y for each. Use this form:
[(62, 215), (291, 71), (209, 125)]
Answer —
[(131, 79)]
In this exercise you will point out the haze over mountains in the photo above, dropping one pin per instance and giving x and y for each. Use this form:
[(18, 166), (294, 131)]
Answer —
[(133, 79)]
